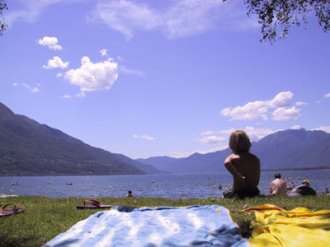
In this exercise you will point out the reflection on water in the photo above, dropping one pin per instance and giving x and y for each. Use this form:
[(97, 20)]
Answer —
[(167, 186)]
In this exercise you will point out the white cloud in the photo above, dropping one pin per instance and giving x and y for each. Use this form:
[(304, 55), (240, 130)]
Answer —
[(256, 134), (300, 103), (144, 137), (212, 139), (32, 89), (29, 12), (260, 109), (50, 42), (285, 113), (178, 19), (127, 71), (222, 136), (104, 52), (323, 128), (190, 17), (281, 99), (66, 96), (296, 127), (56, 62), (250, 111), (327, 95), (126, 16), (93, 76)]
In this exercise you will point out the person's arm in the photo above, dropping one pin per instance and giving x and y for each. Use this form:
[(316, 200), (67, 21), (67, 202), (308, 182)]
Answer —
[(231, 168), (271, 188)]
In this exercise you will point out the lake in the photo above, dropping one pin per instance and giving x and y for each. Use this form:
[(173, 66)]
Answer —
[(160, 185)]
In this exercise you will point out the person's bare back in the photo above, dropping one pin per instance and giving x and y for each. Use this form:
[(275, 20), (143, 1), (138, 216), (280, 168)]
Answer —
[(247, 166), (278, 186), (244, 167)]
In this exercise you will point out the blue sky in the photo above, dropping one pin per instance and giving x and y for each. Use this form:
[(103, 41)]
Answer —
[(150, 78)]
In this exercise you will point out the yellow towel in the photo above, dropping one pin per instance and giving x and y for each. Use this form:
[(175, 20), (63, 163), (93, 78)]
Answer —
[(274, 226)]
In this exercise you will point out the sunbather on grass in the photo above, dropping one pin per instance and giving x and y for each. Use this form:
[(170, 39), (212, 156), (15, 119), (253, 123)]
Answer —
[(244, 167)]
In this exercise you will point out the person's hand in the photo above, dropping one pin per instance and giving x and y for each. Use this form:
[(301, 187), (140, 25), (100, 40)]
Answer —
[(243, 179)]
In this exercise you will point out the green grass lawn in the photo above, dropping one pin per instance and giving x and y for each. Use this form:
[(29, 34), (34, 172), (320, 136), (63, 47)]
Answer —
[(44, 218)]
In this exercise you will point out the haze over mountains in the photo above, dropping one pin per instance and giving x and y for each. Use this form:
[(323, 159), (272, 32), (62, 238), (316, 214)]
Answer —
[(30, 148)]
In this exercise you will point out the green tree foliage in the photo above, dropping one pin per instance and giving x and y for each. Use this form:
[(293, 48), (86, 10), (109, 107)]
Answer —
[(276, 17), (3, 6)]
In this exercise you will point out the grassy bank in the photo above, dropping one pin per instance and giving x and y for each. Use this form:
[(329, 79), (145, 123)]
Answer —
[(44, 218)]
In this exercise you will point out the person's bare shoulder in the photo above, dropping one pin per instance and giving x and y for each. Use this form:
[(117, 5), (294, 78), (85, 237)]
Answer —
[(231, 157)]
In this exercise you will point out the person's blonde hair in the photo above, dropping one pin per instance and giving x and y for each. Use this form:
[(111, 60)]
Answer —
[(239, 142)]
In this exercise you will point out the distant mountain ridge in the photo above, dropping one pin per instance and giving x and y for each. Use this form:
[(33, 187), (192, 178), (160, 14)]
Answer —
[(30, 148), (288, 149)]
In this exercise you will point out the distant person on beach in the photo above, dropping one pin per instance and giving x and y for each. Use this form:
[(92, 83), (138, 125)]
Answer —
[(303, 190), (243, 166), (291, 186), (129, 194), (278, 186)]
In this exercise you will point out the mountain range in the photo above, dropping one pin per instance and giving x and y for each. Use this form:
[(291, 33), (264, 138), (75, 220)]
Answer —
[(29, 148), (288, 149)]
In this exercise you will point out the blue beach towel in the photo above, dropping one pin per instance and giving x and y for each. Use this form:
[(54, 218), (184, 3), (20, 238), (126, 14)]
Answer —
[(209, 225)]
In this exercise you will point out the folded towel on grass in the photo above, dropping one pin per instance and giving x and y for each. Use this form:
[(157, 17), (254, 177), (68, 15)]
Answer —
[(209, 225), (299, 227)]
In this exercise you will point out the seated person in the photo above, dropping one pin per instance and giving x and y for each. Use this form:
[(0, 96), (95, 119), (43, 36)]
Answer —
[(129, 194), (303, 190), (278, 186), (243, 166)]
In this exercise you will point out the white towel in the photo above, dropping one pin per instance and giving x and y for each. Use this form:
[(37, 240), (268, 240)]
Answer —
[(209, 225)]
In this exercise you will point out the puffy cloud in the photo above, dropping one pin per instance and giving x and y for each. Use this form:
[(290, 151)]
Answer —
[(93, 76), (327, 95), (281, 99), (179, 19), (50, 42), (260, 109), (144, 137), (56, 62), (285, 113), (250, 111)]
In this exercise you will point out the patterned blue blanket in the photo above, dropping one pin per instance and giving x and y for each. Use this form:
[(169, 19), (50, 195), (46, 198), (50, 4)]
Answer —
[(209, 225)]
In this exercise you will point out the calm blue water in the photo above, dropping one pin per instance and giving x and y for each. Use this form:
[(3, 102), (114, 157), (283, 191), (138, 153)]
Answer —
[(167, 186)]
